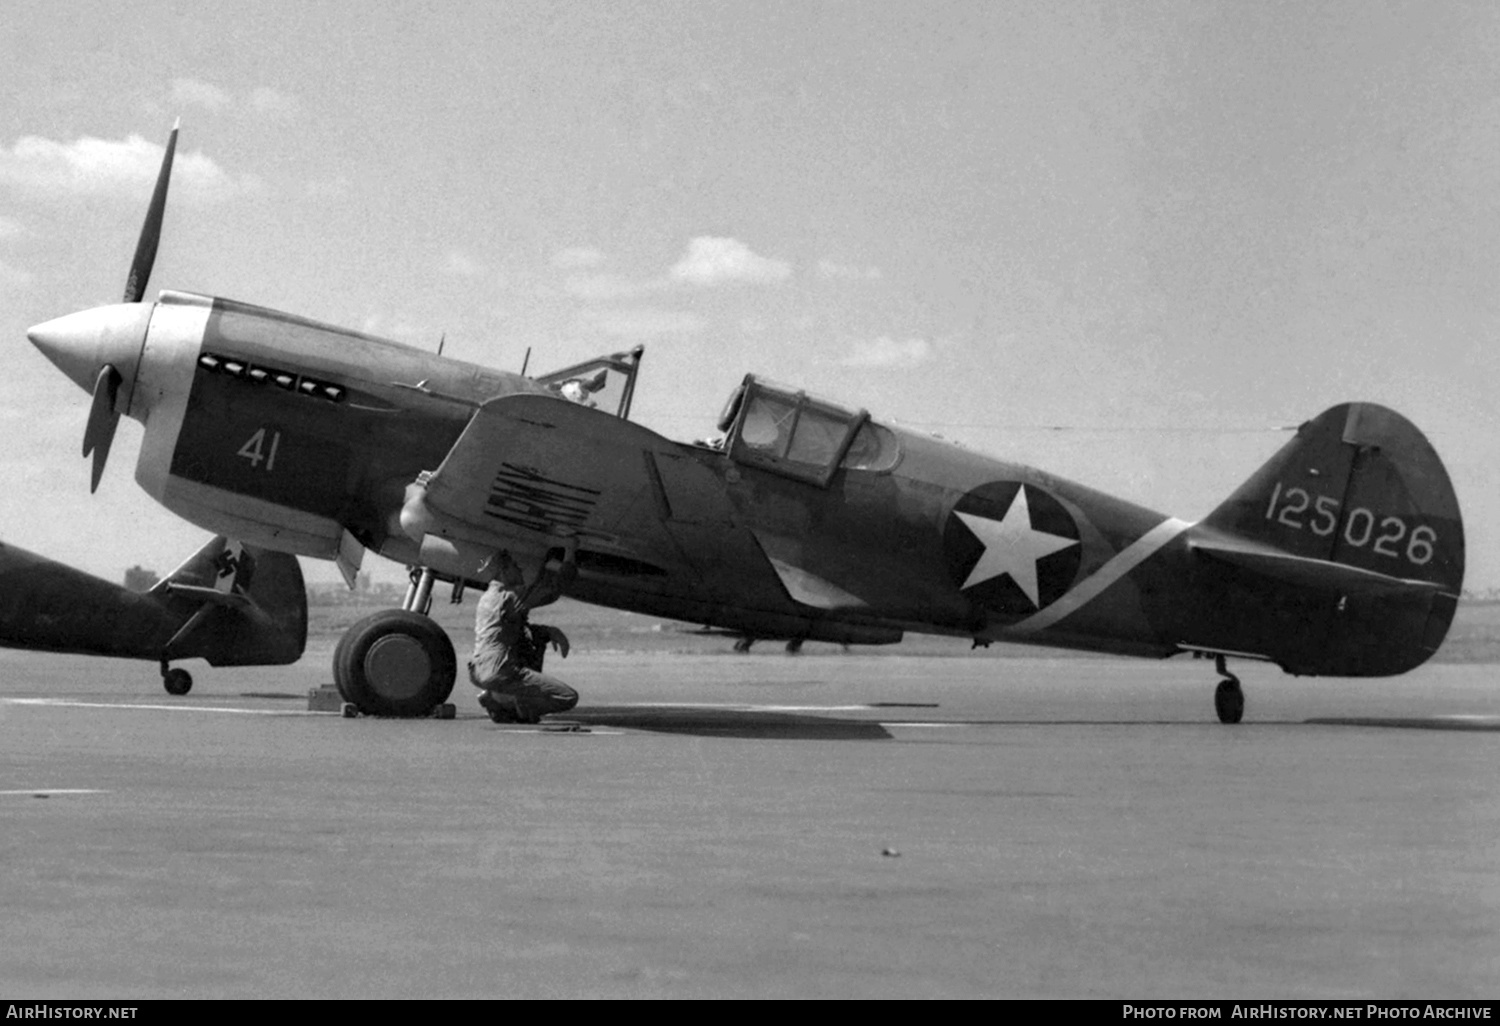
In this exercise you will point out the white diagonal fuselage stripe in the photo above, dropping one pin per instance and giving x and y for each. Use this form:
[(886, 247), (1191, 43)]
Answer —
[(1133, 555)]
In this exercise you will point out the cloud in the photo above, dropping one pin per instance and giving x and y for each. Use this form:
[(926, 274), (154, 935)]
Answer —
[(642, 322), (710, 260), (577, 258), (887, 352), (707, 261), (104, 167), (189, 92), (263, 100), (847, 272), (462, 265), (9, 228), (272, 102)]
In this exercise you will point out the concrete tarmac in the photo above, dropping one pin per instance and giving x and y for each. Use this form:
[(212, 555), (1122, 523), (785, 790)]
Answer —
[(754, 826)]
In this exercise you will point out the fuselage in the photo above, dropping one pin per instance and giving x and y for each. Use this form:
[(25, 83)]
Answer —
[(47, 606), (308, 438), (272, 428)]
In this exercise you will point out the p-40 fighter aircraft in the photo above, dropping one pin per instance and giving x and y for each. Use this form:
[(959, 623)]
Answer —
[(809, 519), (229, 604)]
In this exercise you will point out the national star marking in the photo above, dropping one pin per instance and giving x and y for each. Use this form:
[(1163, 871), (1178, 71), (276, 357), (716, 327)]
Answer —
[(1012, 546)]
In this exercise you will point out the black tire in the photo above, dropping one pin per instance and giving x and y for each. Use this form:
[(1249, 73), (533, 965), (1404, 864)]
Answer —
[(1229, 701), (395, 663), (338, 656), (177, 682)]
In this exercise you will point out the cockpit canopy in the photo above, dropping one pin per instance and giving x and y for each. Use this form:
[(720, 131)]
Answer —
[(604, 383), (780, 429)]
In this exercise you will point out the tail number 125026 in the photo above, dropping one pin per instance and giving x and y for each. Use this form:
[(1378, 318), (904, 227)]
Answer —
[(1386, 536)]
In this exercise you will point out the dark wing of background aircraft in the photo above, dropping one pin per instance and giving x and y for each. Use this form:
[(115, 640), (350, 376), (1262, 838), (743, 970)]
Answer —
[(230, 604)]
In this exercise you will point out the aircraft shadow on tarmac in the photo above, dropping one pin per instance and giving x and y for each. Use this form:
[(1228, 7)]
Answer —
[(746, 723), (762, 723)]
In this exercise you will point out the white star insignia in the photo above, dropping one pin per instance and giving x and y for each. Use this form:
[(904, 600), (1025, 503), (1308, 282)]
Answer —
[(1012, 546)]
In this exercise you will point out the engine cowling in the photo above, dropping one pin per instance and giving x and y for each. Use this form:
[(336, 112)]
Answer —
[(169, 364)]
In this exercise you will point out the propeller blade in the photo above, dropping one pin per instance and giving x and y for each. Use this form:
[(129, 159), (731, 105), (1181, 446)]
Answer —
[(99, 435), (145, 247)]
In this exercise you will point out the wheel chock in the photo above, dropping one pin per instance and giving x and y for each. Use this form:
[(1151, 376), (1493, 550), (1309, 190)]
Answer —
[(327, 699), (324, 698)]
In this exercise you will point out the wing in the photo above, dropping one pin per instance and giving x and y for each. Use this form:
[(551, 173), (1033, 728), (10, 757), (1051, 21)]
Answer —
[(529, 469), (657, 531)]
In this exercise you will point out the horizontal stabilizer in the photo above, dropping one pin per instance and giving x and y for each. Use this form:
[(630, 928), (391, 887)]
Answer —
[(243, 606), (1302, 570)]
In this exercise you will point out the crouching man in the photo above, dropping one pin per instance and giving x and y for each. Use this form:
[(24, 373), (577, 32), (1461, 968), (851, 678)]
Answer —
[(508, 649)]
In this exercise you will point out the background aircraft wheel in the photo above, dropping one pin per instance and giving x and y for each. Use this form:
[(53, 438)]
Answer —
[(395, 663), (1229, 701), (177, 682)]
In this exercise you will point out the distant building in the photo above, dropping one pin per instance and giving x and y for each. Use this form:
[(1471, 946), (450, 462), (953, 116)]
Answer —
[(139, 579)]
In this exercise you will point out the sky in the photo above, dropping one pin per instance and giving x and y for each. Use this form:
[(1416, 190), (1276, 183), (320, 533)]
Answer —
[(1127, 243)]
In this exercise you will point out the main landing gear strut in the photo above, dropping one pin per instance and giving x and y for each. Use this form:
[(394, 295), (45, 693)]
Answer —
[(398, 662), (1229, 699)]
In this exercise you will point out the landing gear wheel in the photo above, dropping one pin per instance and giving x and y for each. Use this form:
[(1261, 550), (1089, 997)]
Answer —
[(338, 678), (1229, 701), (394, 663), (177, 682)]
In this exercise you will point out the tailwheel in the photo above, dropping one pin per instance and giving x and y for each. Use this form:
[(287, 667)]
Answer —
[(177, 682), (394, 663), (1229, 699)]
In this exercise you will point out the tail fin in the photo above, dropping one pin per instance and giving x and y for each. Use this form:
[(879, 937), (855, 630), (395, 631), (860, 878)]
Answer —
[(252, 605), (1358, 507)]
